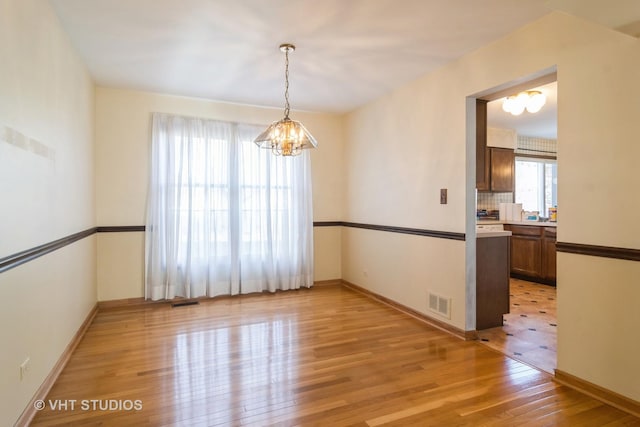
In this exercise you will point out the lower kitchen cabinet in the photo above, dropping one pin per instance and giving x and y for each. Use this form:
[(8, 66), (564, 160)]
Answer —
[(526, 255), (533, 252), (492, 281), (549, 254)]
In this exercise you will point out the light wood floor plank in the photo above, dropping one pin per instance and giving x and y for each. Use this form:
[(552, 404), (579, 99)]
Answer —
[(325, 356)]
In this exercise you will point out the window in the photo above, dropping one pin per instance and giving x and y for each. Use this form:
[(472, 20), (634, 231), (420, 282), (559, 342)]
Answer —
[(536, 184), (224, 216)]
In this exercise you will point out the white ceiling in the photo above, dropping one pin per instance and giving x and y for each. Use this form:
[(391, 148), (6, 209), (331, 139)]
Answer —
[(349, 52)]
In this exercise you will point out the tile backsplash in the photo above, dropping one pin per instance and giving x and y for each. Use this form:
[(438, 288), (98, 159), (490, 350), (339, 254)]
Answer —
[(491, 201), (536, 146)]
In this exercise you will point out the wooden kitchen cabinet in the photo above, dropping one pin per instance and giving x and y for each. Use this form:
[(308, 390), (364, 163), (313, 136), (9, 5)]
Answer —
[(549, 254), (495, 167), (502, 169), (526, 256), (482, 152), (492, 281), (533, 252)]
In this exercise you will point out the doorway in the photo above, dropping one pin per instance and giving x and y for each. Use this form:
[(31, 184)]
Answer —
[(529, 331)]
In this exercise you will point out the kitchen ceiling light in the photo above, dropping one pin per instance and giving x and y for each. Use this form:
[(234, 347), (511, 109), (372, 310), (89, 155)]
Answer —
[(531, 100), (286, 137)]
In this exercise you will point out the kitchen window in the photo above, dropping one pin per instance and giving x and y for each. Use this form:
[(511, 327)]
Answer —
[(536, 184)]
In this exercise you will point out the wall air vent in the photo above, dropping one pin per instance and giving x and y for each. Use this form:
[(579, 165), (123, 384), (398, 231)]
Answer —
[(184, 303), (439, 305)]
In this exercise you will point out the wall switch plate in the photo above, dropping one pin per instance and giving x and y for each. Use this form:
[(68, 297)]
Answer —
[(443, 196)]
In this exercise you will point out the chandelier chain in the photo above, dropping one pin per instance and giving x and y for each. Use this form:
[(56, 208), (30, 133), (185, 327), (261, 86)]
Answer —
[(286, 82)]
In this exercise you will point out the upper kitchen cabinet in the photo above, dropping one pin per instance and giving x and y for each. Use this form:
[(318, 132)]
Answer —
[(495, 168), (482, 153), (502, 169)]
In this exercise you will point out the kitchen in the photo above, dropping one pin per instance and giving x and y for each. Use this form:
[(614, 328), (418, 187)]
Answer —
[(517, 211)]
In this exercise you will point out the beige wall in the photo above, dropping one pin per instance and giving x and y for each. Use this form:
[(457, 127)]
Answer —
[(120, 265), (403, 147), (46, 186), (383, 164), (405, 267), (327, 253), (598, 321), (122, 153)]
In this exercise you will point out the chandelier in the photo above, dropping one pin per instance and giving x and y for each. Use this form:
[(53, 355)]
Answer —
[(531, 100), (286, 137)]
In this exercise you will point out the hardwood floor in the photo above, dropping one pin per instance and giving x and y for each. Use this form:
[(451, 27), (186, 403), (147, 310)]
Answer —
[(530, 330), (326, 356)]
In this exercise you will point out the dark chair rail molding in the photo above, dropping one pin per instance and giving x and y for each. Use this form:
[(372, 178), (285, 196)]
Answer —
[(404, 230), (19, 258), (12, 261), (120, 228), (327, 223), (599, 251), (392, 229)]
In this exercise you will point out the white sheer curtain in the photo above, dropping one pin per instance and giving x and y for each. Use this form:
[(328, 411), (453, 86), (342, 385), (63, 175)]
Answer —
[(223, 216)]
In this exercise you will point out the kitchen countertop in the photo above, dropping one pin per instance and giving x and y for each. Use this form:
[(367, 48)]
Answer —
[(483, 234), (532, 223)]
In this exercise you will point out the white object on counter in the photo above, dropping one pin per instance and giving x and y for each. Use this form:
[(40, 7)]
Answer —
[(502, 211), (516, 212), (510, 211)]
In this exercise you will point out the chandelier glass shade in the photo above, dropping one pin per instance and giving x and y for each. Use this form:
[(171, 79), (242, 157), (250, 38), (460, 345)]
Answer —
[(286, 137), (531, 100)]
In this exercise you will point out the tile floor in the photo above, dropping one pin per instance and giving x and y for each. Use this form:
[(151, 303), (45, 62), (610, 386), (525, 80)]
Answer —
[(529, 332)]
